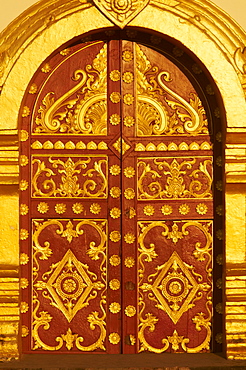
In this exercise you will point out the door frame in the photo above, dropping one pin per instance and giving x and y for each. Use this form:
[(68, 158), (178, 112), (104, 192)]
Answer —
[(46, 27)]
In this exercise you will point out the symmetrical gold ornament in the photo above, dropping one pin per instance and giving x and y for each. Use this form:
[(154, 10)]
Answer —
[(115, 119), (129, 262), (69, 284), (130, 311), (121, 146), (115, 192), (115, 169), (33, 89), (201, 209), (127, 77), (95, 208), (149, 210), (175, 286), (115, 236), (114, 307), (175, 178), (24, 258), (121, 12), (166, 209), (60, 208), (43, 207), (129, 121), (114, 75), (83, 178), (114, 338), (24, 209), (115, 97), (114, 260), (127, 56), (129, 193), (129, 238), (115, 212), (23, 135), (129, 172), (25, 111), (114, 284), (78, 208)]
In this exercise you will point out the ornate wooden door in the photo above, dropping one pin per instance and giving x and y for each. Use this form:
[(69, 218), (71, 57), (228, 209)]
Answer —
[(116, 204)]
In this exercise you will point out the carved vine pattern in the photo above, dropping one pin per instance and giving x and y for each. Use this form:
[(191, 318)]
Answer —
[(174, 186), (146, 255), (43, 252), (186, 118), (94, 185), (69, 114)]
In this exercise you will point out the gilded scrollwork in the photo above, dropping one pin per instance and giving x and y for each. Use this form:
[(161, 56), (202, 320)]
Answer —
[(175, 178), (83, 178), (84, 113), (155, 97), (69, 285), (175, 286)]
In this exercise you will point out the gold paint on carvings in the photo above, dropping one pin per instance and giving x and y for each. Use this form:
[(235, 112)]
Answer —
[(93, 179), (114, 307), (175, 287), (129, 262), (114, 338), (69, 285), (121, 146), (121, 12), (174, 186), (86, 115), (151, 107)]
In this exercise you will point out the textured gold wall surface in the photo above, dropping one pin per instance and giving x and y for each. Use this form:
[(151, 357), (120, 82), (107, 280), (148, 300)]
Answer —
[(221, 48)]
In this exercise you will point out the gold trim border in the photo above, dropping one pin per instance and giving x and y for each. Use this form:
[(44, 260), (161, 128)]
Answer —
[(221, 48)]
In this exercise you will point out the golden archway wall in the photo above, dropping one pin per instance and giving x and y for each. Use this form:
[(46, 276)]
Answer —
[(202, 28)]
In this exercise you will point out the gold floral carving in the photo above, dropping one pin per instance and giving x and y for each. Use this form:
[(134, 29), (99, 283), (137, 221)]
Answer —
[(91, 183), (115, 192), (114, 75), (129, 121), (114, 307), (86, 114), (188, 118), (121, 12), (161, 179), (115, 169), (114, 338), (129, 172), (114, 284), (129, 262), (175, 286), (121, 146), (114, 260), (69, 284), (24, 209), (130, 311), (24, 259), (115, 212), (43, 207), (127, 56)]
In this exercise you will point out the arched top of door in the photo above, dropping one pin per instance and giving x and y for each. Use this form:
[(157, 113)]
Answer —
[(198, 24)]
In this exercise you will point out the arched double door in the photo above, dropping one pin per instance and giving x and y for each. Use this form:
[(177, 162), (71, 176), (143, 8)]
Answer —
[(116, 204)]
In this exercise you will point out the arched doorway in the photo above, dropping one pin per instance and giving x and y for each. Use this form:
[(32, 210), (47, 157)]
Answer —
[(220, 49), (117, 201)]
